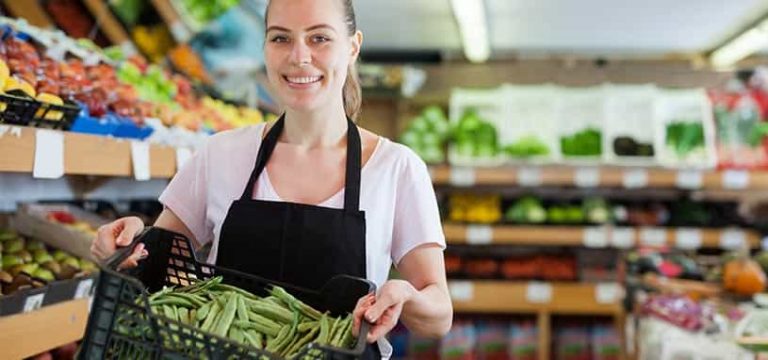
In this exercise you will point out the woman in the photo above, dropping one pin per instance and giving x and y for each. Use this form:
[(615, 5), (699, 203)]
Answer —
[(295, 216)]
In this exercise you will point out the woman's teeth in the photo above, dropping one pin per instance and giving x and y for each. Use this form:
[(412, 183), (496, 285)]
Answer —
[(303, 80)]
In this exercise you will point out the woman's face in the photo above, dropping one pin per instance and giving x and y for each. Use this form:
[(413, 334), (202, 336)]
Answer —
[(307, 52)]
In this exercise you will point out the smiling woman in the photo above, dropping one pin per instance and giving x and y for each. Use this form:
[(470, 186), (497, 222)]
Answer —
[(312, 195)]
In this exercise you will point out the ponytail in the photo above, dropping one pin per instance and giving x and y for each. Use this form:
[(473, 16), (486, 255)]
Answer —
[(352, 94)]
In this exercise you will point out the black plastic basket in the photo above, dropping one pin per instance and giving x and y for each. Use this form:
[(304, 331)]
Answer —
[(121, 324), (18, 108), (52, 116)]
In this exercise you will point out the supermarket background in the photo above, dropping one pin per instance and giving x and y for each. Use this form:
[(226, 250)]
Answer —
[(600, 166)]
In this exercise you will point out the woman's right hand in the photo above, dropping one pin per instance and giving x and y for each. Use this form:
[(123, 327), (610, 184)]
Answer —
[(119, 233)]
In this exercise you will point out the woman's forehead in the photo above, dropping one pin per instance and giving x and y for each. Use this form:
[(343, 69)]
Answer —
[(299, 15)]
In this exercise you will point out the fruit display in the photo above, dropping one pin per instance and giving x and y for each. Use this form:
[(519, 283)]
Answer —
[(587, 142), (484, 209), (69, 220), (278, 323), (28, 263), (427, 134), (492, 265), (474, 136)]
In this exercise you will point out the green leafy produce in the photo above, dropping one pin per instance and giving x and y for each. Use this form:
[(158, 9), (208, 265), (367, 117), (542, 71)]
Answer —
[(527, 210), (758, 134), (152, 85), (204, 11), (474, 136), (596, 210), (627, 146), (587, 142), (278, 323), (528, 146), (427, 133), (685, 137)]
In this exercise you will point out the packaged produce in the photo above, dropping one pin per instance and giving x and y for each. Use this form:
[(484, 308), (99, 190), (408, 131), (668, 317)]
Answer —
[(483, 209), (491, 338), (678, 310), (605, 342), (523, 340), (572, 343), (685, 135), (580, 119), (740, 126), (427, 133), (459, 343), (629, 140), (476, 116), (530, 124)]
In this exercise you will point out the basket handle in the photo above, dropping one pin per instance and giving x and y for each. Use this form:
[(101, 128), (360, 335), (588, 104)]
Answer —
[(124, 252)]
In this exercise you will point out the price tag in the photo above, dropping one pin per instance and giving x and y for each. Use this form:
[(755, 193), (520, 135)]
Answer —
[(84, 289), (180, 31), (654, 237), (182, 155), (49, 154), (528, 176), (461, 290), (608, 293), (735, 179), (623, 238), (33, 302), (635, 178), (595, 237), (688, 239), (140, 160), (462, 176), (587, 177), (732, 239), (479, 234), (538, 292), (689, 179)]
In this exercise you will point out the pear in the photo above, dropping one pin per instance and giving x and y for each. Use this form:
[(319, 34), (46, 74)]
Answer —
[(88, 266), (52, 265), (6, 235), (24, 268), (11, 260), (42, 256), (12, 246), (25, 256), (34, 245), (44, 274), (67, 272), (5, 277), (71, 261), (19, 282), (59, 255)]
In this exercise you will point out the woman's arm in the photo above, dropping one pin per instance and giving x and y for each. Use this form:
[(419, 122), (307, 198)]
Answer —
[(421, 299)]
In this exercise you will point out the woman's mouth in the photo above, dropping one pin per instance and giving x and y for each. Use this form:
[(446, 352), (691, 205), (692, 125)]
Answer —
[(302, 80)]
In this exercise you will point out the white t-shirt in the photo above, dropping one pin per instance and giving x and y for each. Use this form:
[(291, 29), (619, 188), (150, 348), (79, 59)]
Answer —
[(396, 194)]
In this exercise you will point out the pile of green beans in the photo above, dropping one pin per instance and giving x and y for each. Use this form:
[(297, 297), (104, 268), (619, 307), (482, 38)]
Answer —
[(278, 323)]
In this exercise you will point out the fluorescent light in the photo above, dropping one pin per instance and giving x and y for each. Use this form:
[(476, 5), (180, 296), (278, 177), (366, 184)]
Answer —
[(470, 15), (749, 42)]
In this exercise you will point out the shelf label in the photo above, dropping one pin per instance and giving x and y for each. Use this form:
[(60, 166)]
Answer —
[(635, 178), (654, 237), (479, 234), (33, 302), (735, 179), (689, 179), (49, 154), (462, 176), (527, 176), (182, 155), (595, 237), (623, 238), (461, 290), (587, 177), (140, 160), (688, 239), (608, 293), (732, 239), (538, 292), (84, 289)]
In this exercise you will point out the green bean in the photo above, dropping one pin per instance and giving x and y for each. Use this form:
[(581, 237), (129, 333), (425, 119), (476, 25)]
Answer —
[(210, 317), (202, 312), (262, 327), (294, 303), (236, 334), (183, 315), (324, 330), (303, 341), (275, 343), (334, 329), (227, 287), (251, 338), (227, 316), (242, 310), (306, 326), (338, 338), (273, 312)]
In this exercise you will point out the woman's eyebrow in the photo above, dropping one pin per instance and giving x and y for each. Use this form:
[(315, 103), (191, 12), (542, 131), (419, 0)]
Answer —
[(313, 27)]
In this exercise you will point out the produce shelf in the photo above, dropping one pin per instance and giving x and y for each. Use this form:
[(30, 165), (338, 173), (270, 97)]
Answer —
[(599, 176), (25, 335), (83, 154), (490, 296), (597, 237)]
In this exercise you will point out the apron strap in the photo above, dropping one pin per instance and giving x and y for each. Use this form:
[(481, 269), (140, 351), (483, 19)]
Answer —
[(353, 168)]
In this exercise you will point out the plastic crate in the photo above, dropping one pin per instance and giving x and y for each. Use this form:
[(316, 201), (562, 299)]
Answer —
[(18, 109), (43, 115), (121, 324)]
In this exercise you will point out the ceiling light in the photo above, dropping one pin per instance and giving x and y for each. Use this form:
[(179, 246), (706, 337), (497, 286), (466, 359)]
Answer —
[(473, 27), (740, 47)]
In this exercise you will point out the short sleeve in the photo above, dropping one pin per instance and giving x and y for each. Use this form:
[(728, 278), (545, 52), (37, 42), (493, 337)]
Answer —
[(417, 218), (187, 195)]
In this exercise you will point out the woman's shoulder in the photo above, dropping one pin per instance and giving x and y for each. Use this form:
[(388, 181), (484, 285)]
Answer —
[(230, 140), (393, 155)]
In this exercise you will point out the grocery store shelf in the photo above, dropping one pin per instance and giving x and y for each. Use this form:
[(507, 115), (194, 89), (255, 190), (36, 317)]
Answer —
[(28, 334), (522, 298), (600, 176), (597, 237), (32, 11), (83, 154)]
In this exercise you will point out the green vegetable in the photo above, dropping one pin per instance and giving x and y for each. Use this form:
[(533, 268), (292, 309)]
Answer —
[(527, 146), (527, 210), (587, 142), (685, 137), (474, 136)]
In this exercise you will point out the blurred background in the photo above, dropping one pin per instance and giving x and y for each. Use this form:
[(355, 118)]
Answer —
[(600, 165)]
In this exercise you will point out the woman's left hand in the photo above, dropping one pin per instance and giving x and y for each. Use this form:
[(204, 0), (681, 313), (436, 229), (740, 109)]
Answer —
[(384, 310)]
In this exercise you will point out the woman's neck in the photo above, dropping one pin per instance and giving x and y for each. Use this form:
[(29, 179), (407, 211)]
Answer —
[(319, 128)]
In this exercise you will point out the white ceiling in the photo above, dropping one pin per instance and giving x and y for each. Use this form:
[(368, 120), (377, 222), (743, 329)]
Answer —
[(649, 27)]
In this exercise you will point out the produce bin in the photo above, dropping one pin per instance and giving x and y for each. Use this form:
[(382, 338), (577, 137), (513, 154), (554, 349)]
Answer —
[(17, 109), (685, 130), (528, 134), (476, 115), (122, 325), (580, 119), (629, 132), (54, 292), (52, 116)]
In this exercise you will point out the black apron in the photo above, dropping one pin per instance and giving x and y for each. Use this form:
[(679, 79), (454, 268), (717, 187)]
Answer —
[(300, 244)]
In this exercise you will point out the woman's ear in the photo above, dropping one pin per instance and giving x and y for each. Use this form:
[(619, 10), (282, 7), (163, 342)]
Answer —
[(357, 43)]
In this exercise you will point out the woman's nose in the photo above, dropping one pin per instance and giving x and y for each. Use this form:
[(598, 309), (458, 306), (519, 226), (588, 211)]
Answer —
[(300, 53)]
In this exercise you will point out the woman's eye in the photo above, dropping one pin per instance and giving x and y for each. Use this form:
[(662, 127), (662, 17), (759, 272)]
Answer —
[(279, 39), (320, 39)]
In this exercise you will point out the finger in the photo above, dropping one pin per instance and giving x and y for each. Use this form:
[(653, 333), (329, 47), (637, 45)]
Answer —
[(382, 303), (138, 254), (130, 227), (363, 304), (383, 326)]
